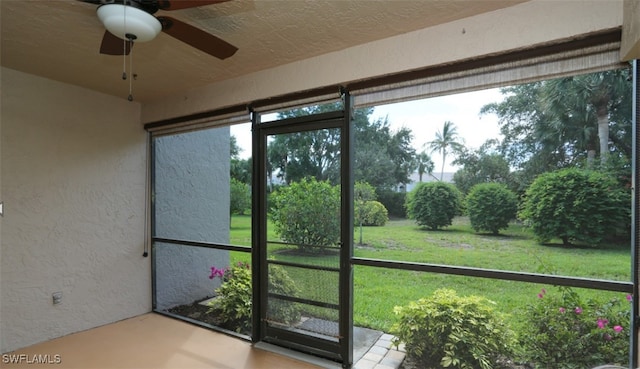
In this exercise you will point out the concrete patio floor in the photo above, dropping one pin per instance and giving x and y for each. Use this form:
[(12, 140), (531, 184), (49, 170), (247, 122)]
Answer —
[(156, 341)]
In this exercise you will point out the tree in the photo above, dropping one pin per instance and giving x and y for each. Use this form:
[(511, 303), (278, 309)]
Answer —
[(425, 164), (402, 155), (481, 166), (307, 214), (594, 95), (240, 168), (446, 141), (553, 124), (491, 206), (308, 153), (363, 191), (240, 195), (382, 157), (576, 205), (367, 211), (434, 204), (373, 214)]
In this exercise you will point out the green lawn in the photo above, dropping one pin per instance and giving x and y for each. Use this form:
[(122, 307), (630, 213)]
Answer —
[(377, 290)]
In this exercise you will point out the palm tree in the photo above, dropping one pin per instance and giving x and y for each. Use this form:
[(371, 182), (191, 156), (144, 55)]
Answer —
[(446, 141), (589, 99), (425, 164)]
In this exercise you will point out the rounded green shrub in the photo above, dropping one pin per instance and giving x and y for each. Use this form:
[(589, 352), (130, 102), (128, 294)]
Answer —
[(576, 206), (371, 213), (490, 207), (307, 213), (451, 331), (434, 204)]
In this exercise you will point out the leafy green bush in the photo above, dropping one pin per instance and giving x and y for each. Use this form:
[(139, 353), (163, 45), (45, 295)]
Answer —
[(576, 206), (233, 302), (281, 311), (240, 197), (307, 213), (367, 211), (434, 204), (363, 191), (491, 206), (394, 202), (447, 330), (371, 213), (563, 332)]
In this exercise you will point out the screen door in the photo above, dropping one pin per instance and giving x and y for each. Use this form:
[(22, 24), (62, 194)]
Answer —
[(304, 236)]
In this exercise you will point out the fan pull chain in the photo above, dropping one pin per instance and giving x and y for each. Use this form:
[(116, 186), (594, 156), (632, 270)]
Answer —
[(124, 62), (130, 97)]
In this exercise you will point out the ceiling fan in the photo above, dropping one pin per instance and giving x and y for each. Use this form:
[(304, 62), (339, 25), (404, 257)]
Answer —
[(130, 21)]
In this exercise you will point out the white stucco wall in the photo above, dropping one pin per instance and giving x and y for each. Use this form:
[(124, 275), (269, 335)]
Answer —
[(73, 170), (191, 203), (519, 26)]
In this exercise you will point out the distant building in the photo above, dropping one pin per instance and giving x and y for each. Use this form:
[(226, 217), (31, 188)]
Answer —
[(447, 177)]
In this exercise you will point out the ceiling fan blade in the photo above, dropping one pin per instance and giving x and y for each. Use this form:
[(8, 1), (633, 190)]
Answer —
[(113, 45), (184, 4), (197, 38)]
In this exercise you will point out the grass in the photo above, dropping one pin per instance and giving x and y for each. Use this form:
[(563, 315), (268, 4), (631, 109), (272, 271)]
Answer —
[(378, 290)]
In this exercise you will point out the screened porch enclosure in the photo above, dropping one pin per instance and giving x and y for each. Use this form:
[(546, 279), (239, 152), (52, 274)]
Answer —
[(352, 281)]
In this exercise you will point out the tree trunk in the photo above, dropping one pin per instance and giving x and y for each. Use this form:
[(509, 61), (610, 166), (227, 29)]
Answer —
[(444, 155), (591, 157), (603, 132)]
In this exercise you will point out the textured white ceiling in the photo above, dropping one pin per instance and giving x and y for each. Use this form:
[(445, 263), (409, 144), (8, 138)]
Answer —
[(60, 39)]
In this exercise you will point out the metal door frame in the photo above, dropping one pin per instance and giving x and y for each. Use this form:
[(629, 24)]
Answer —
[(341, 351)]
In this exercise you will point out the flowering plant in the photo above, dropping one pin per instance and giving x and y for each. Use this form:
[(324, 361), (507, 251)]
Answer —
[(565, 332), (225, 274)]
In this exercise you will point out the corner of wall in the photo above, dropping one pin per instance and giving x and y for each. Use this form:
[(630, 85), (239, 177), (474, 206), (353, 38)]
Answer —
[(73, 169)]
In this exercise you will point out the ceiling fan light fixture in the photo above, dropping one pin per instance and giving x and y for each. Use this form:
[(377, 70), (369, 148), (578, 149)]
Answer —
[(121, 20)]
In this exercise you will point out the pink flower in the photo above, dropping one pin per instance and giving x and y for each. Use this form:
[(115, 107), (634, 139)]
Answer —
[(542, 293), (603, 323), (215, 272), (578, 310), (629, 297), (617, 328), (562, 310)]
